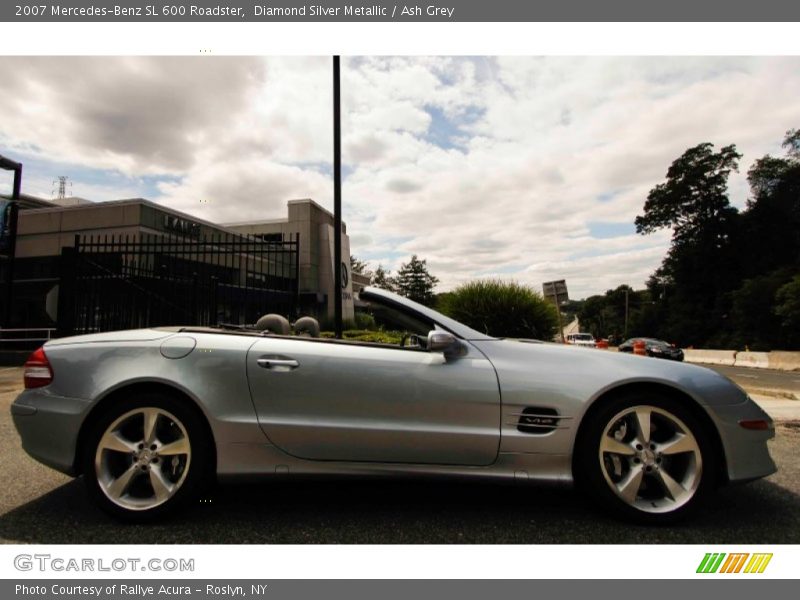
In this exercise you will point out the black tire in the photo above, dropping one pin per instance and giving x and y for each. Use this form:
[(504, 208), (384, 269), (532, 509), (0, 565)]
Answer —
[(610, 478), (135, 471)]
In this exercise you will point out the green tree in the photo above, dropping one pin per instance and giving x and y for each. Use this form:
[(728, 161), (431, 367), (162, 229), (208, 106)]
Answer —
[(788, 310), (720, 283), (792, 143), (415, 282), (442, 298), (604, 316), (593, 317), (701, 267), (771, 224), (770, 256), (358, 266), (503, 309), (694, 196), (754, 321), (383, 279)]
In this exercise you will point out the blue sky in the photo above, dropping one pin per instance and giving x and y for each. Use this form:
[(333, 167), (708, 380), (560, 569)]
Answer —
[(451, 131), (602, 230), (40, 176), (524, 168)]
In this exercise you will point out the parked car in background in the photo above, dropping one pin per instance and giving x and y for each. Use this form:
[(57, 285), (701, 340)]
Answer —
[(653, 347), (581, 339)]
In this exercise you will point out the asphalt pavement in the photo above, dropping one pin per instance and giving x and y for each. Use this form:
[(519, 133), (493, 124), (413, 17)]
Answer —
[(771, 382), (39, 505)]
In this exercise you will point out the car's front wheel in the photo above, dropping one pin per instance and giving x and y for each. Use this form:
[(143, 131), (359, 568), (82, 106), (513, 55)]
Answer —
[(146, 455), (647, 458)]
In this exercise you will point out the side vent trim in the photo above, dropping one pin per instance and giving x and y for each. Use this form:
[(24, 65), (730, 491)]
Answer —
[(539, 420)]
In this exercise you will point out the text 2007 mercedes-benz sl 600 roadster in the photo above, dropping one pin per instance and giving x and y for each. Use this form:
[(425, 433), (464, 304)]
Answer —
[(149, 416)]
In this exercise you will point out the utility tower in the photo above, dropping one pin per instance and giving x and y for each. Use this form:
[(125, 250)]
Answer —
[(62, 181)]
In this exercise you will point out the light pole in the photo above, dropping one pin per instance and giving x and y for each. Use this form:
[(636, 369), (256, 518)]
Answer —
[(337, 202), (625, 333)]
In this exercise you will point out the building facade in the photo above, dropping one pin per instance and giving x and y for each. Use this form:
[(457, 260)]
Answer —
[(240, 258), (315, 227)]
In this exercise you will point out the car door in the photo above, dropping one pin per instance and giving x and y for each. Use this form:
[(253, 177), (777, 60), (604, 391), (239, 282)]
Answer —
[(335, 400)]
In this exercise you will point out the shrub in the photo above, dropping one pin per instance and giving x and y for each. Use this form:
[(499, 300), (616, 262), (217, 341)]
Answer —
[(364, 321), (361, 335), (329, 324), (502, 309)]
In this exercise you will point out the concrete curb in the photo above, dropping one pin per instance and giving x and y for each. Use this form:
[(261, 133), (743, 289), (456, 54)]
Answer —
[(781, 411), (784, 361), (710, 357), (772, 393), (756, 360), (778, 360)]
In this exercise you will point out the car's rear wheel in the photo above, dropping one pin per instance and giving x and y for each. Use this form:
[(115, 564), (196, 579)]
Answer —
[(145, 456), (647, 458)]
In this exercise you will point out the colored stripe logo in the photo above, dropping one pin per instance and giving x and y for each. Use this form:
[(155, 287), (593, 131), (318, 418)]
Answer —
[(735, 562)]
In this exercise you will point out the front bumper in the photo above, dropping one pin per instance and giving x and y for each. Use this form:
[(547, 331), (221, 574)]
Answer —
[(49, 426), (746, 453)]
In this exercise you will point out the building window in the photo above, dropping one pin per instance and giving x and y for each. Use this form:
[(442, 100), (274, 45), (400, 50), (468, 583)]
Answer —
[(270, 237)]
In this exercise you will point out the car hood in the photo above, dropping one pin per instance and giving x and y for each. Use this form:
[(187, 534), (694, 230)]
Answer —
[(589, 372)]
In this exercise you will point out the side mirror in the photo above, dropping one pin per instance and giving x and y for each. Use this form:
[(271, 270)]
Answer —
[(445, 342)]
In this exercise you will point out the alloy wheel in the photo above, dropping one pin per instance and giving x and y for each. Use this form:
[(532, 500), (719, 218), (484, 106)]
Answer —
[(143, 458), (650, 459)]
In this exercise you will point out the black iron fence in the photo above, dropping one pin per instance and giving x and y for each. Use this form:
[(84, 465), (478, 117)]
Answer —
[(110, 283)]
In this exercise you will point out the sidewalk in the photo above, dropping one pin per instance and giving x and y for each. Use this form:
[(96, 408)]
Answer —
[(778, 408)]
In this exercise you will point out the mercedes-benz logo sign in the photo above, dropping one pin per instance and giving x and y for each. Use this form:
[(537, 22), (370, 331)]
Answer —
[(345, 276)]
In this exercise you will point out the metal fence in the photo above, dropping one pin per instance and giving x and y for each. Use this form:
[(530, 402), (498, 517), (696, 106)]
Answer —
[(111, 283)]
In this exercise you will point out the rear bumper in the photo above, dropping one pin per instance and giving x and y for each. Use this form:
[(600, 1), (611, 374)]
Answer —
[(49, 426)]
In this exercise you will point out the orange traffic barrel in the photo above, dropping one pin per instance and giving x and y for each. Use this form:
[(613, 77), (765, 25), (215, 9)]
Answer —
[(639, 348)]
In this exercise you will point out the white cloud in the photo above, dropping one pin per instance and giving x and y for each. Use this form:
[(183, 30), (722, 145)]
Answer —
[(483, 166)]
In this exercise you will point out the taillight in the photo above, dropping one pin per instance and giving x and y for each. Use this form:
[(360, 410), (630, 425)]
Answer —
[(38, 372)]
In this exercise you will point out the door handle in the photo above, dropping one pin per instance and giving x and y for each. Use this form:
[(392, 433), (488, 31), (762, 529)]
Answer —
[(278, 364)]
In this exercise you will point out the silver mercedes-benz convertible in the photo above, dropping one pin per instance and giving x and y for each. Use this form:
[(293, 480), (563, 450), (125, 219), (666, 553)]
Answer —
[(150, 416)]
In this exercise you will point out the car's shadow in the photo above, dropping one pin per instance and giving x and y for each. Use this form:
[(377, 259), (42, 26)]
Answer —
[(388, 512)]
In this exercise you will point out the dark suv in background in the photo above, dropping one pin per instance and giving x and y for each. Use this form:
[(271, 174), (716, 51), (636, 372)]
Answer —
[(653, 347)]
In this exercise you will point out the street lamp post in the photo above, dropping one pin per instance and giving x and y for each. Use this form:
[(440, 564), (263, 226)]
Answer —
[(337, 201), (625, 334)]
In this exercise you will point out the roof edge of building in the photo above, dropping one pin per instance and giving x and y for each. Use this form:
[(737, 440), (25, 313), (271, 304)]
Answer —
[(282, 220), (129, 202), (312, 202)]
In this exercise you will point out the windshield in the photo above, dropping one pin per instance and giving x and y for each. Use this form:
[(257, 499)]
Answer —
[(389, 317), (418, 313)]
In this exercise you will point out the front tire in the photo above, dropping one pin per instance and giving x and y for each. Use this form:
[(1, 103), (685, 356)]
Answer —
[(146, 455), (647, 458)]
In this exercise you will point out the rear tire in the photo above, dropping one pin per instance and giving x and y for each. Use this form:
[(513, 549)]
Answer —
[(147, 455), (647, 458)]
